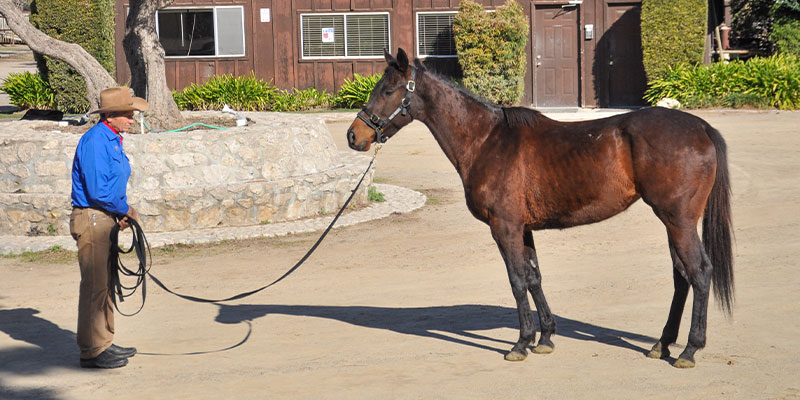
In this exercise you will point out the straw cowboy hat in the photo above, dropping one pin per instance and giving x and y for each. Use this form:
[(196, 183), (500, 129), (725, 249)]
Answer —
[(118, 99)]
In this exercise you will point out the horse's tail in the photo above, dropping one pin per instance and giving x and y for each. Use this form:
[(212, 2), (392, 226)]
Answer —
[(717, 230)]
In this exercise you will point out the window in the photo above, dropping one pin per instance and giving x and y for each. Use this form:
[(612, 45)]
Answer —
[(203, 32), (344, 35), (435, 34)]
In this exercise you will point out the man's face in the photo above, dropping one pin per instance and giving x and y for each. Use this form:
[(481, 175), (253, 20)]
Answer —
[(121, 121)]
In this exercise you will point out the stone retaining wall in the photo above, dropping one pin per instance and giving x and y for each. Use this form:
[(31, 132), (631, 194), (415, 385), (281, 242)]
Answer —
[(281, 167)]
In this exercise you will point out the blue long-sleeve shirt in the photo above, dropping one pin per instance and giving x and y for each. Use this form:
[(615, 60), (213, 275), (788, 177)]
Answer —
[(100, 171)]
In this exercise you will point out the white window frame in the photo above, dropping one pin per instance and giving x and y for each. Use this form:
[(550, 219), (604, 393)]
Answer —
[(216, 33), (420, 55), (345, 56)]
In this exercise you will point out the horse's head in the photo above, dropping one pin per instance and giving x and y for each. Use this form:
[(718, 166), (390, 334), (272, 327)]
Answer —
[(389, 106)]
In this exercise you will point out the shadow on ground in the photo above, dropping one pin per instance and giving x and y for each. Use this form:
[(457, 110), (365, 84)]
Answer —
[(53, 347), (459, 322)]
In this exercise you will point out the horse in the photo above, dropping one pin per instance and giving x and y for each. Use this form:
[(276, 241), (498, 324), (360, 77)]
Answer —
[(522, 171)]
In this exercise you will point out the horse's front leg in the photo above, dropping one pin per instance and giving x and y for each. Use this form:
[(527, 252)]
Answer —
[(546, 320), (508, 237)]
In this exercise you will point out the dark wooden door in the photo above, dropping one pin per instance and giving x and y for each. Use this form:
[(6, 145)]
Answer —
[(620, 55), (555, 57)]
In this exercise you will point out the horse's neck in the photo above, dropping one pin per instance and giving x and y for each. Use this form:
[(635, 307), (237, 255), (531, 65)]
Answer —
[(450, 116)]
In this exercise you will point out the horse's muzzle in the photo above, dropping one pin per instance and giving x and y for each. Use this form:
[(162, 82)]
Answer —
[(351, 140)]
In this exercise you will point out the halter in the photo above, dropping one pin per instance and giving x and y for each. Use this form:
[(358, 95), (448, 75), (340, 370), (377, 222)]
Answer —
[(377, 124)]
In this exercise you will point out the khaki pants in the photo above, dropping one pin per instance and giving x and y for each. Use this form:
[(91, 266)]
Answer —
[(91, 229)]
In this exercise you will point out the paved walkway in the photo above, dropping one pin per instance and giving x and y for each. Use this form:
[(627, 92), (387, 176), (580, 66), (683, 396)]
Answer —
[(398, 200)]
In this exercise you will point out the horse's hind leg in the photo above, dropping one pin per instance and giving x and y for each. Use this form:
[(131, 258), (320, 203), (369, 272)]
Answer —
[(697, 268), (509, 241), (546, 320), (670, 333)]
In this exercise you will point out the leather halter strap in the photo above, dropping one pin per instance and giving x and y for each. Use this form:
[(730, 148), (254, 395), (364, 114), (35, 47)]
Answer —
[(377, 124)]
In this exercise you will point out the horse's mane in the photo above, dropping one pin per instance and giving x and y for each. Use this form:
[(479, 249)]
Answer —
[(514, 116), (521, 116), (461, 89)]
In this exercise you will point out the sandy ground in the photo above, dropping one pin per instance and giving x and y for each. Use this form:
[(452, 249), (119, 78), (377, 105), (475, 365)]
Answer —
[(418, 306)]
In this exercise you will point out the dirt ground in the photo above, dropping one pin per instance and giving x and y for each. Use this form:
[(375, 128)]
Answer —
[(418, 306)]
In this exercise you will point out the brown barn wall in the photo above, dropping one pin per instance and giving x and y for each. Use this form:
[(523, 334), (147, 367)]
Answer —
[(272, 49)]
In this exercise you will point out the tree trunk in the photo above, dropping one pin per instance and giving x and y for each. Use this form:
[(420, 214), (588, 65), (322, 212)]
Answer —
[(95, 76), (146, 61)]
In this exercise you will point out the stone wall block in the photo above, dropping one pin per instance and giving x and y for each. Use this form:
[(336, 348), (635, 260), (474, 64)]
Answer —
[(198, 145), (218, 192), (153, 147), (264, 213), (226, 204), (193, 192), (202, 204), (8, 155), (207, 218), (51, 168), (19, 170), (215, 174), (172, 194), (245, 202), (147, 208), (237, 216), (180, 179), (176, 220), (237, 188), (26, 150), (182, 160), (149, 184)]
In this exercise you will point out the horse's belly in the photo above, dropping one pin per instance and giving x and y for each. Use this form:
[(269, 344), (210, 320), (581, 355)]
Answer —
[(572, 209)]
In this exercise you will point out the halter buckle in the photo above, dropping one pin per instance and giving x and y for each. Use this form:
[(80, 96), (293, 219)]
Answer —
[(411, 86)]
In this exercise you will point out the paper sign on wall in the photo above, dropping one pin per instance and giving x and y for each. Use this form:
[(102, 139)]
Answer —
[(265, 15), (327, 35)]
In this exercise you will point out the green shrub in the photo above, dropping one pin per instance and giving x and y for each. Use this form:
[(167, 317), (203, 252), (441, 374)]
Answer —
[(355, 92), (27, 90), (89, 23), (673, 32), (375, 196), (759, 82), (786, 37), (248, 93), (300, 100), (491, 50), (243, 93)]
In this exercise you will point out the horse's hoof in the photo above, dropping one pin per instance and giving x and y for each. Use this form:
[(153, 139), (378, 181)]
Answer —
[(515, 356), (658, 351), (543, 349), (683, 363)]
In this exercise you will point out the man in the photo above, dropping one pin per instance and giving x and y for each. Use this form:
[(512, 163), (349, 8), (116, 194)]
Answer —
[(100, 173)]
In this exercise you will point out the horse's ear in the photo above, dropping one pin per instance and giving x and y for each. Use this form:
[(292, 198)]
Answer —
[(420, 66), (388, 56), (402, 60)]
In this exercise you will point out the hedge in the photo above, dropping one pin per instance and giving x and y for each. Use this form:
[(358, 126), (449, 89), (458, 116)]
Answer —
[(491, 50), (673, 32), (759, 82), (89, 23)]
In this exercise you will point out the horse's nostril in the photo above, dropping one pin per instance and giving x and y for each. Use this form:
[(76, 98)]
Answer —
[(351, 136)]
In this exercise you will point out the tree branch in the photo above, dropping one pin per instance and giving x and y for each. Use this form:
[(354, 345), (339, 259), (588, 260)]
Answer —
[(95, 76)]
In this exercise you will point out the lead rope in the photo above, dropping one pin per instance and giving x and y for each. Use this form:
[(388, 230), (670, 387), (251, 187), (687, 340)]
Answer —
[(142, 247)]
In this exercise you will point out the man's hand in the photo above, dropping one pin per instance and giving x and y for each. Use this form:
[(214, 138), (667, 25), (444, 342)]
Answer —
[(123, 223)]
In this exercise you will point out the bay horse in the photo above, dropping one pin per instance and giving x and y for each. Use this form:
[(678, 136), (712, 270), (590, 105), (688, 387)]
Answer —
[(522, 171)]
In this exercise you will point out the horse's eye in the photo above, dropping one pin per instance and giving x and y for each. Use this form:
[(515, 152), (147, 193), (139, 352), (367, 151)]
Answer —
[(387, 92)]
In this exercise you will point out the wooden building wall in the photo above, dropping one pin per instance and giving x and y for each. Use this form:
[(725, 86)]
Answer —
[(585, 71)]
